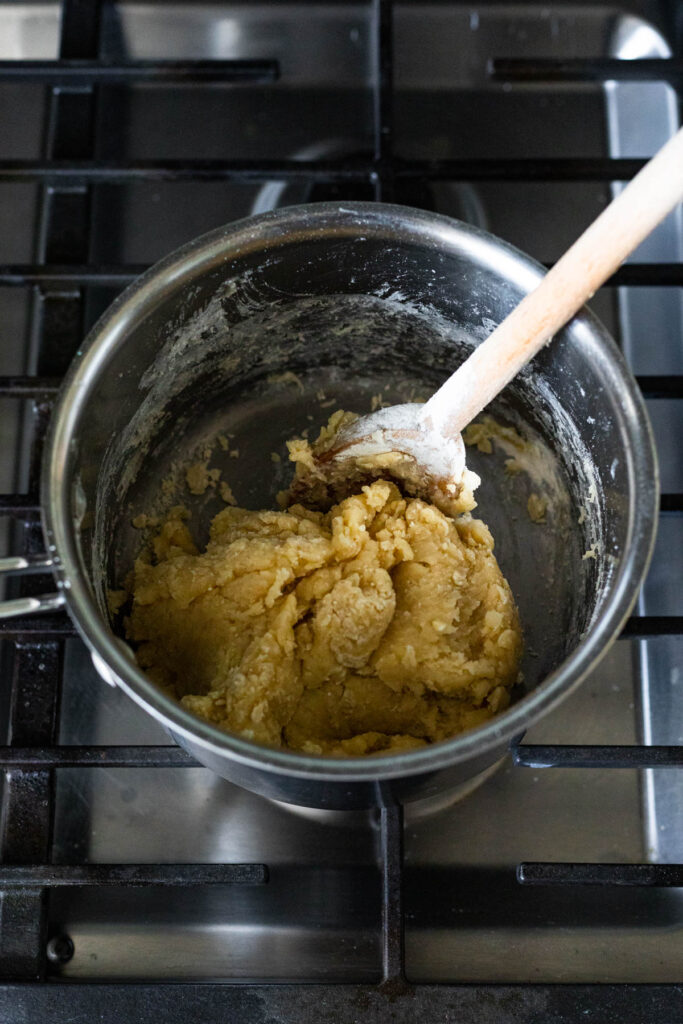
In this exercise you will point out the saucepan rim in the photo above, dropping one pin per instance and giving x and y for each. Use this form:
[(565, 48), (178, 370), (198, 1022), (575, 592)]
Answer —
[(267, 232)]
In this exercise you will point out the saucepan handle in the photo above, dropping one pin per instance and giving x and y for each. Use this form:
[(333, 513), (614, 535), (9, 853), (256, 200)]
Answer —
[(21, 565)]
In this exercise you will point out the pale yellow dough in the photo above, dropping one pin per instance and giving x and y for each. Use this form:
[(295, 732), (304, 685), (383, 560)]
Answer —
[(381, 624)]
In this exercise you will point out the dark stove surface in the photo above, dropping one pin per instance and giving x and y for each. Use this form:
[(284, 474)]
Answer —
[(158, 872)]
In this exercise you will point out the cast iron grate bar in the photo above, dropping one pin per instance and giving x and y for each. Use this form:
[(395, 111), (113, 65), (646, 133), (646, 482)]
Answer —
[(91, 172), (31, 876), (653, 386), (521, 169), (42, 413), (37, 627), (19, 505), (51, 275), (25, 386), (523, 755), (105, 72), (639, 275), (559, 873), (84, 172), (215, 1003), (20, 275), (671, 504), (641, 627), (586, 69), (383, 101), (569, 755), (391, 848), (638, 627), (40, 758)]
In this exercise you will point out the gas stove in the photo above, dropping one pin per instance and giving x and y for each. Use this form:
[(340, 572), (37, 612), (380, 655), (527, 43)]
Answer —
[(137, 885)]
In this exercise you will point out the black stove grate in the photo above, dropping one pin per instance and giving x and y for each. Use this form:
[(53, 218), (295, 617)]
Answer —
[(66, 173)]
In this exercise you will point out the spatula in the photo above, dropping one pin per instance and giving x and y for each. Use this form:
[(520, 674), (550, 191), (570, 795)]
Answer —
[(428, 437)]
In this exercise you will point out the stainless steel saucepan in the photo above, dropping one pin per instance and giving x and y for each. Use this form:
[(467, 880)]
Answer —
[(258, 331)]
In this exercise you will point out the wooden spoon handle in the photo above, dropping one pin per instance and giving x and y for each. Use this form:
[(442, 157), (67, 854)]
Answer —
[(619, 229)]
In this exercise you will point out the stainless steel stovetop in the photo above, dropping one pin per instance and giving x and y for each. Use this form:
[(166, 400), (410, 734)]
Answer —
[(318, 919)]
